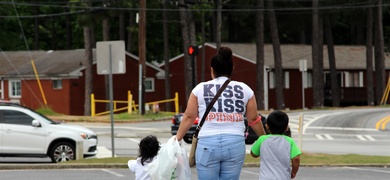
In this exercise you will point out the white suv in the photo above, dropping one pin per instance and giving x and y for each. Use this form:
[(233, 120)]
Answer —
[(26, 133)]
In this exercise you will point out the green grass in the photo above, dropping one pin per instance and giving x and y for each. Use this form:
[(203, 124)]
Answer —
[(47, 111), (306, 159)]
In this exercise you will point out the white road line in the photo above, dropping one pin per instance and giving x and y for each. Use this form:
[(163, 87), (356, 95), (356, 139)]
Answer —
[(113, 173), (249, 172), (341, 128), (319, 137), (363, 169), (134, 140), (369, 137), (327, 136), (361, 137), (103, 152)]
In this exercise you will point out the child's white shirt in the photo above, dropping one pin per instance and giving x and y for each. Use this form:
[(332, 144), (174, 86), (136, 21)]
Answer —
[(139, 169)]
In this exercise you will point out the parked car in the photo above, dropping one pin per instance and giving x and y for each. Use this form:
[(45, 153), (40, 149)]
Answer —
[(176, 119), (27, 133), (252, 136)]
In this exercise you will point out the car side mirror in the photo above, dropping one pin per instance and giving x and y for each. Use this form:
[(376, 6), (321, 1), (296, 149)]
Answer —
[(35, 123)]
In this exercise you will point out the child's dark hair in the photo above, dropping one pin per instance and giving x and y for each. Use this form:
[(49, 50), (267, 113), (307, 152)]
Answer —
[(148, 148), (222, 62), (277, 122)]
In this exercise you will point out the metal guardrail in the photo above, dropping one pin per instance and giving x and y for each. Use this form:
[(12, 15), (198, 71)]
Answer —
[(131, 106)]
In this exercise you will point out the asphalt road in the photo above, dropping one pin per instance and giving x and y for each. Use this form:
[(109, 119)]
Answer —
[(305, 173)]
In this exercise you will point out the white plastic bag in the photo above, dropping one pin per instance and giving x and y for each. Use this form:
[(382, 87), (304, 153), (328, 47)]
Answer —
[(183, 170), (171, 162)]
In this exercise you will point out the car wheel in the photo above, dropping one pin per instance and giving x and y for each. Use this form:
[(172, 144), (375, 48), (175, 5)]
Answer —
[(62, 151), (188, 140)]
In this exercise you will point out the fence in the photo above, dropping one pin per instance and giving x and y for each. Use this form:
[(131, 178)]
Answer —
[(131, 106)]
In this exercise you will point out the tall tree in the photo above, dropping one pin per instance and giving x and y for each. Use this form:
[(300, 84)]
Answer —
[(369, 60), (279, 85), (106, 37), (218, 24), (186, 32), (166, 56), (332, 63), (260, 55), (318, 91), (379, 53), (88, 70)]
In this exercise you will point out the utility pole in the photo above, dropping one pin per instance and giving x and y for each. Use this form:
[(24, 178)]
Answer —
[(142, 55)]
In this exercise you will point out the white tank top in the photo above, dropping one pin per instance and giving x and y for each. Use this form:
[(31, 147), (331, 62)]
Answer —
[(227, 114)]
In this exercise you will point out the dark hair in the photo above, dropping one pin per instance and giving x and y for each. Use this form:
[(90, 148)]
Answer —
[(277, 122), (148, 148), (222, 62)]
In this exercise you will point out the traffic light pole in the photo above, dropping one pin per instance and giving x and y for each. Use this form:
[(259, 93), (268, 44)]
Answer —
[(193, 70)]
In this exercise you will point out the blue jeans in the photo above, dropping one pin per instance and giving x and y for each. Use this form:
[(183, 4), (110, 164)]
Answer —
[(220, 157)]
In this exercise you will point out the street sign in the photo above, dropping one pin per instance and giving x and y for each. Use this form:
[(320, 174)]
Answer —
[(111, 51)]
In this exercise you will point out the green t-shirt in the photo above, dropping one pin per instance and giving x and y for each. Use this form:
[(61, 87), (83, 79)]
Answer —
[(276, 152)]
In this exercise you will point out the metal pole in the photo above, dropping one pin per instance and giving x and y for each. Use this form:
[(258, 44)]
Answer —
[(303, 89), (140, 90), (111, 104), (193, 70)]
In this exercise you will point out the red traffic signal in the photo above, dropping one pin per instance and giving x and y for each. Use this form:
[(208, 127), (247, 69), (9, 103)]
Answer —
[(193, 50)]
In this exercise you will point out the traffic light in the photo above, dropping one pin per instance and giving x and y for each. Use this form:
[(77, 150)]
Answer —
[(193, 50)]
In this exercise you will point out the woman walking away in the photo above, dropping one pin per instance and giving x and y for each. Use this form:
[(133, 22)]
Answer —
[(148, 149), (220, 152)]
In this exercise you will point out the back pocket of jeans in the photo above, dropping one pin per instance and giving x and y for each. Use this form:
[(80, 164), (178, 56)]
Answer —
[(204, 156)]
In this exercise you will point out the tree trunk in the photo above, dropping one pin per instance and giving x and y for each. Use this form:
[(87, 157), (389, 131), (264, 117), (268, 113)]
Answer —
[(88, 70), (332, 63), (218, 24), (317, 73), (186, 43), (379, 54), (142, 51), (68, 31), (36, 28), (166, 58), (278, 57), (130, 33), (122, 27), (260, 55), (369, 61)]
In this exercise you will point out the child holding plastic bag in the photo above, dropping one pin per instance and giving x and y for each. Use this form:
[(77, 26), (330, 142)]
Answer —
[(171, 162), (148, 149)]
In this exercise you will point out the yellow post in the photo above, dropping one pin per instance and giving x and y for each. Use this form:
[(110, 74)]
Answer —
[(177, 103), (129, 100), (39, 82), (92, 105)]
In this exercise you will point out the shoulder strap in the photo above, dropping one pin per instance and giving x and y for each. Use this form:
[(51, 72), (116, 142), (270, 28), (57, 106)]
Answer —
[(210, 106)]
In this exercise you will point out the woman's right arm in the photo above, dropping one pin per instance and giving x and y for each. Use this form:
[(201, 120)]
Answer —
[(189, 117), (253, 117)]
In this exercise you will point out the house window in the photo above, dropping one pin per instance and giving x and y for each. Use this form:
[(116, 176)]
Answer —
[(56, 83), (309, 80), (149, 84), (286, 80), (353, 79), (272, 80), (15, 88)]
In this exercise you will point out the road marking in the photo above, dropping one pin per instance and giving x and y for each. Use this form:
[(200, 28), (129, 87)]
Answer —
[(364, 169), (249, 172), (361, 137), (381, 124), (369, 137), (319, 137), (113, 173), (327, 136), (134, 140), (341, 128), (103, 152)]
